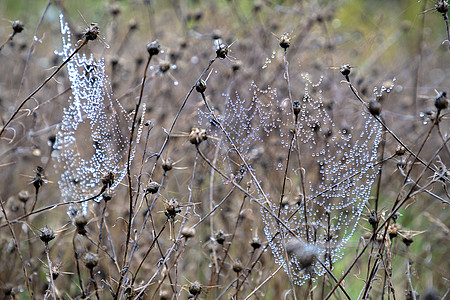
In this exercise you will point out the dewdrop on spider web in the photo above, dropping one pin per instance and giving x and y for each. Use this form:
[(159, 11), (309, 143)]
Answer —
[(93, 137)]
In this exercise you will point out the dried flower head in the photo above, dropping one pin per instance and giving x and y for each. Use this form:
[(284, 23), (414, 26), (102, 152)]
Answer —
[(47, 234), (153, 48), (17, 26), (90, 260), (197, 136)]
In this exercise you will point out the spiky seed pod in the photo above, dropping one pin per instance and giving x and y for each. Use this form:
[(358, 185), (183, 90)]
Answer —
[(222, 51), (393, 230), (296, 107), (441, 7), (92, 32), (188, 232), (133, 25), (38, 180), (236, 66), (115, 9), (238, 266), (374, 107), (172, 208), (164, 294), (167, 164), (197, 136), (195, 288), (152, 187), (80, 221), (56, 271), (400, 150), (23, 196), (17, 26), (374, 219), (441, 102), (107, 197), (219, 237), (407, 239), (108, 180), (285, 40), (201, 86), (345, 69), (153, 48), (164, 66), (255, 243), (90, 260), (47, 234)]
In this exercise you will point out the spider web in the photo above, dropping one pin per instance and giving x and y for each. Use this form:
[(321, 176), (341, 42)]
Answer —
[(338, 162), (92, 138)]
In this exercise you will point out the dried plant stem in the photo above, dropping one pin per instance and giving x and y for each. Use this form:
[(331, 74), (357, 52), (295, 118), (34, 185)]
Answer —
[(125, 264), (50, 275), (383, 225), (408, 273), (83, 43), (77, 263), (16, 245), (264, 282), (33, 43), (169, 132)]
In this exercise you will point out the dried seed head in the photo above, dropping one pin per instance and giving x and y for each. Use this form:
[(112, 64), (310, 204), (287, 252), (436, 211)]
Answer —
[(441, 7), (407, 239), (238, 266), (296, 107), (164, 294), (255, 243), (80, 221), (219, 236), (172, 208), (133, 25), (236, 66), (222, 50), (167, 164), (38, 180), (285, 40), (197, 136), (108, 180), (107, 197), (374, 219), (345, 69), (23, 196), (92, 32), (90, 260), (46, 235), (56, 270), (152, 187), (393, 230), (195, 288), (188, 232), (374, 107), (153, 48), (115, 9), (200, 86), (304, 253), (17, 26), (164, 66), (400, 150), (441, 102)]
